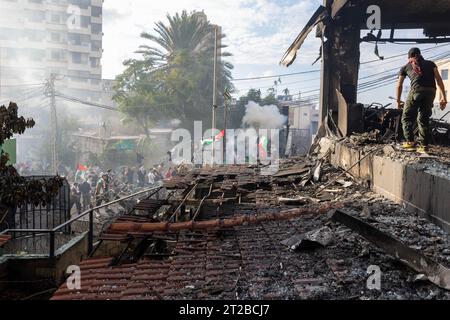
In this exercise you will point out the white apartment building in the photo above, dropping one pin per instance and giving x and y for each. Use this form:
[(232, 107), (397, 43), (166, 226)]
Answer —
[(40, 37)]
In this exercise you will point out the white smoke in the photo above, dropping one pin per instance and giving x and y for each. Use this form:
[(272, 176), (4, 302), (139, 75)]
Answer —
[(263, 117)]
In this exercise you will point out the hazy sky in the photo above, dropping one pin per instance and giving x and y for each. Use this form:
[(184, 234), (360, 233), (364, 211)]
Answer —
[(258, 33)]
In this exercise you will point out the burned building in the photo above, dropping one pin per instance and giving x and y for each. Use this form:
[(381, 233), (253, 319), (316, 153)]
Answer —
[(342, 27), (313, 229), (340, 24)]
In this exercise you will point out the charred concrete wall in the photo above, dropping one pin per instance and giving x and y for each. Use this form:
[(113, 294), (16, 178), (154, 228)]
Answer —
[(420, 191), (35, 267)]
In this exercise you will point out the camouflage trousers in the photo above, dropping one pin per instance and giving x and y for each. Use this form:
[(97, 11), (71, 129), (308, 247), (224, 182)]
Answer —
[(418, 110)]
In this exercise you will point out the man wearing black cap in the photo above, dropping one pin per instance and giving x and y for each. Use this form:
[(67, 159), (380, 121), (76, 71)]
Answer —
[(424, 75)]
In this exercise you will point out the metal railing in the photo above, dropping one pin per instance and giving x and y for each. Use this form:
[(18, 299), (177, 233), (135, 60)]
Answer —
[(37, 216), (90, 212)]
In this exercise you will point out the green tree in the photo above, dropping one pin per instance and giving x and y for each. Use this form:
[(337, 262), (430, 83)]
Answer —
[(174, 78), (14, 189), (270, 99), (139, 94)]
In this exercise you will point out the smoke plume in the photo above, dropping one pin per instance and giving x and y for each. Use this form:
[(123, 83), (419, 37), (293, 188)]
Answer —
[(263, 117)]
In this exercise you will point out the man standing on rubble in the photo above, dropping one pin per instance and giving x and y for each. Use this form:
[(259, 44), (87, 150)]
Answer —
[(102, 190), (418, 107)]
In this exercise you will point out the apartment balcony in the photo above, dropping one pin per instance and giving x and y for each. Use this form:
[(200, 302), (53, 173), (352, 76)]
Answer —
[(96, 54), (75, 83), (27, 24), (54, 45), (98, 20), (55, 26), (97, 3), (79, 48), (56, 63), (96, 70), (97, 36), (50, 6), (79, 66), (81, 30)]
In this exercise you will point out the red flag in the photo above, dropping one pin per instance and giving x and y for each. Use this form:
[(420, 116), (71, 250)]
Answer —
[(82, 168), (220, 135)]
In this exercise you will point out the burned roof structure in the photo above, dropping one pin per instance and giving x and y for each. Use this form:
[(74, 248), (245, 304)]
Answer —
[(339, 23), (231, 233)]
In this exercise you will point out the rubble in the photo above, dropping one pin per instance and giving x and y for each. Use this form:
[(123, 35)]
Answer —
[(435, 272), (313, 239), (242, 251)]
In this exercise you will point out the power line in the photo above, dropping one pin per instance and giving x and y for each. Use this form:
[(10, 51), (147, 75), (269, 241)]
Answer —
[(31, 94), (92, 104), (313, 71), (22, 85), (388, 78), (403, 55), (276, 76)]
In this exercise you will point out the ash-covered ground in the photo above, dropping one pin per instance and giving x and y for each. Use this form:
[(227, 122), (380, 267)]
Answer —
[(344, 263)]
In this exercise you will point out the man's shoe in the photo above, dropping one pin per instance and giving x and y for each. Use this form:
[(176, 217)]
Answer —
[(409, 146), (422, 150)]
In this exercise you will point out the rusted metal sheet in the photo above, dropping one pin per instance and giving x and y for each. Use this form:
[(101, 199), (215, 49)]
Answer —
[(291, 54), (435, 272)]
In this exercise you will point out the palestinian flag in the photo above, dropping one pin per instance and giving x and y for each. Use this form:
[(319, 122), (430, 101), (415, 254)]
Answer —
[(81, 172), (263, 145), (208, 142)]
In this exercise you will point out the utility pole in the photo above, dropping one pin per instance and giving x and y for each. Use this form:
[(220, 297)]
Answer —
[(1, 53), (0, 73), (54, 125), (227, 98), (225, 121), (213, 153)]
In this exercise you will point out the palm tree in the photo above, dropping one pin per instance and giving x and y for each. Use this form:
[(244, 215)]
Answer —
[(185, 33), (184, 46), (174, 75)]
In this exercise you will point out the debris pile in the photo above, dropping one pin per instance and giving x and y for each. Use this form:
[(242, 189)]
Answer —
[(261, 237)]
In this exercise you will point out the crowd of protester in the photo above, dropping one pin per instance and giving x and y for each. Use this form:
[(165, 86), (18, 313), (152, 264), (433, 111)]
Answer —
[(94, 187)]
